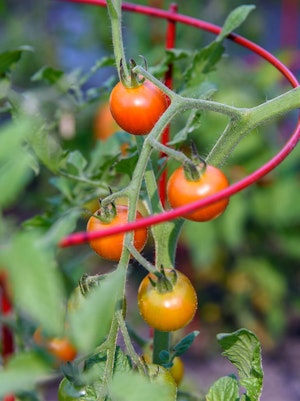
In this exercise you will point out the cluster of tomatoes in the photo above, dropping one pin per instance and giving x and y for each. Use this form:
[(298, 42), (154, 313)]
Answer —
[(167, 300)]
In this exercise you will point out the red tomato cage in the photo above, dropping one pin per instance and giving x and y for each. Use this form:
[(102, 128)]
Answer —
[(173, 17)]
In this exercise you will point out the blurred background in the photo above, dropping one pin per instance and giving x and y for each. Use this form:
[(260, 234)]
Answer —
[(245, 264)]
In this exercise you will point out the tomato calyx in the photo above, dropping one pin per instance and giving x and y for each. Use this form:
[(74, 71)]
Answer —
[(106, 213), (163, 283), (194, 169), (135, 80)]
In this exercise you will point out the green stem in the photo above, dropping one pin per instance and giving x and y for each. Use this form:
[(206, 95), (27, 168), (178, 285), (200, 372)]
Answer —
[(140, 258), (131, 352), (115, 15), (251, 118), (161, 341)]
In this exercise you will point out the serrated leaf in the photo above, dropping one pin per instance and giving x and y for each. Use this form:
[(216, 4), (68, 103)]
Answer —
[(21, 373), (224, 389), (184, 344), (96, 313), (47, 74), (36, 282), (9, 58), (243, 350), (234, 20)]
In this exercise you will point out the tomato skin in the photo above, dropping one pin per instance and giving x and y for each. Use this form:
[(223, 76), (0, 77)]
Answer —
[(110, 248), (137, 109), (104, 124), (167, 311), (177, 370), (181, 191)]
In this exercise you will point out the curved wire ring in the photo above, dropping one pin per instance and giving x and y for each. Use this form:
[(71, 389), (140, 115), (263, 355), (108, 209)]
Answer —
[(82, 237)]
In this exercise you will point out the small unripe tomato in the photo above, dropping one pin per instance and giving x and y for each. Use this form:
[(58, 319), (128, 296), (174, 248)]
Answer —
[(171, 309), (60, 348), (111, 247), (182, 191), (159, 374), (137, 109)]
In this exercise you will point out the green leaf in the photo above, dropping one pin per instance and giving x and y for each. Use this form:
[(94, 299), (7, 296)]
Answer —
[(90, 322), (36, 282), (224, 389), (46, 148), (127, 165), (9, 58), (47, 74), (184, 344), (139, 387), (243, 350), (15, 169), (204, 62), (21, 373), (77, 161), (234, 20)]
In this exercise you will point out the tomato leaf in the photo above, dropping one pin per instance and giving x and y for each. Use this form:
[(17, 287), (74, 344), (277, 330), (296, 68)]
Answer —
[(243, 350), (36, 283), (184, 344), (47, 74), (224, 389), (86, 329), (21, 373), (15, 161), (137, 385), (234, 20), (9, 58)]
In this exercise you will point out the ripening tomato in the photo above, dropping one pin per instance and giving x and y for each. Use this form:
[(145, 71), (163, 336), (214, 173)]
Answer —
[(137, 109), (181, 191), (60, 348), (111, 247), (169, 309), (104, 123)]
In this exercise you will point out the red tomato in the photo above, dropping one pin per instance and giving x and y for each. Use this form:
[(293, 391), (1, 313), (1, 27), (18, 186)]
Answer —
[(181, 191), (171, 309), (111, 247), (137, 109)]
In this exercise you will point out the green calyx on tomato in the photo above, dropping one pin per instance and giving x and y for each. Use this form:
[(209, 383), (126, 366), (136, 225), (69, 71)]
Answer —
[(161, 282)]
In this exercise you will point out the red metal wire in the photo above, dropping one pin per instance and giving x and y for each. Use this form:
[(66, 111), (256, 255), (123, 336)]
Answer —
[(81, 237)]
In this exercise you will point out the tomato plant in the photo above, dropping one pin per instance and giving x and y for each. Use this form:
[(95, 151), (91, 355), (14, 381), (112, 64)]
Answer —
[(137, 109), (144, 103), (111, 247), (167, 306), (182, 191)]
